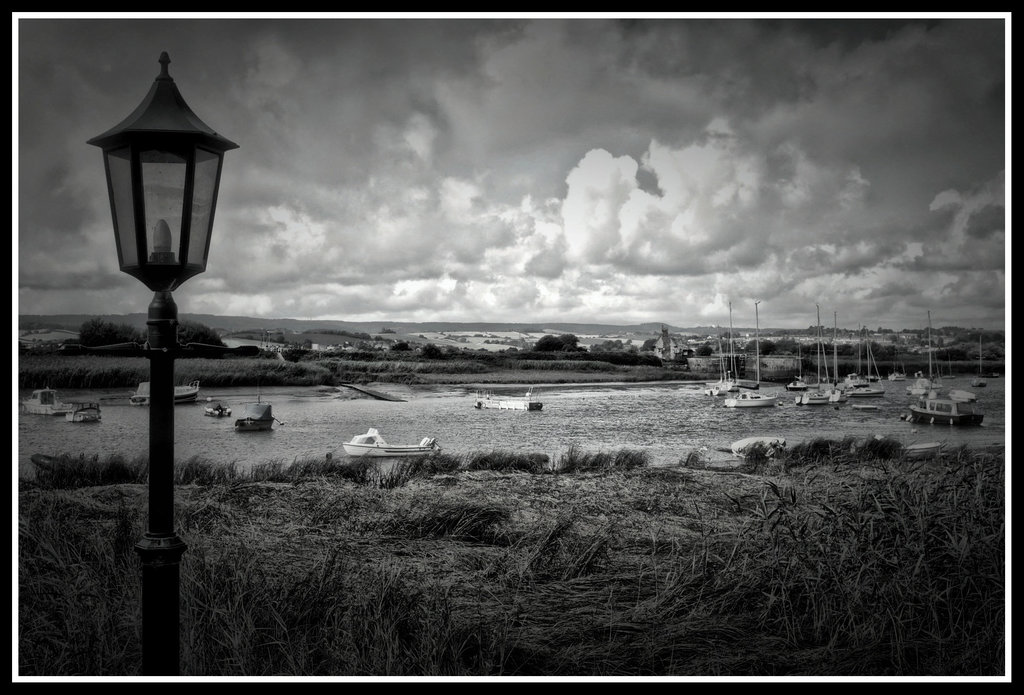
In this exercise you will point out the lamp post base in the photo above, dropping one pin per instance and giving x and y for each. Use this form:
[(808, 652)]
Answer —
[(161, 560)]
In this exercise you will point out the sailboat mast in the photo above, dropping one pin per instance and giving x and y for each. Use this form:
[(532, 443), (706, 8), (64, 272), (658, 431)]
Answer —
[(835, 348), (820, 350), (757, 342), (732, 351), (929, 345)]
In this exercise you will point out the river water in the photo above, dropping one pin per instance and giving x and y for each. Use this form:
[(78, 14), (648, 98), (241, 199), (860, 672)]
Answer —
[(669, 420)]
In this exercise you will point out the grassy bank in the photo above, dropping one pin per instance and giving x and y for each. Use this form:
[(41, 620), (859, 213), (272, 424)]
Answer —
[(92, 372), (834, 559), (95, 372)]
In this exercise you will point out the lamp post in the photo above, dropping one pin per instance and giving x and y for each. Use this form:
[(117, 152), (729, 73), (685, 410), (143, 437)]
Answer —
[(163, 167)]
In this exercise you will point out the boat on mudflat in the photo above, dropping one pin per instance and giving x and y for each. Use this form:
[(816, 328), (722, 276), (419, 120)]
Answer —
[(747, 399), (766, 444), (798, 384), (944, 411), (373, 444), (923, 450)]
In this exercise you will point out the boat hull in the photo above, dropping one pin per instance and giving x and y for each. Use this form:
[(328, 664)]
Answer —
[(923, 450), (486, 399), (35, 409), (84, 412), (865, 392), (252, 425), (751, 401), (388, 451), (933, 417), (509, 405), (769, 445)]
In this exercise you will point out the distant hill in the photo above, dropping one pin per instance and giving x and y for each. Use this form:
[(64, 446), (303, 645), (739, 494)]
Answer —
[(234, 324)]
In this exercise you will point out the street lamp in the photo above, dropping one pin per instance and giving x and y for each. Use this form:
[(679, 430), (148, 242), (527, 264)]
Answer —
[(163, 167)]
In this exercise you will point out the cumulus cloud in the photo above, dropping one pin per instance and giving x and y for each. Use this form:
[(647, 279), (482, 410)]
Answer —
[(540, 169)]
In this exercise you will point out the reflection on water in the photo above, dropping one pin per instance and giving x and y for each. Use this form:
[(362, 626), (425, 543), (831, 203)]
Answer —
[(668, 420)]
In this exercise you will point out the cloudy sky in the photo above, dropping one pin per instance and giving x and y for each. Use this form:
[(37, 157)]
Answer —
[(537, 168)]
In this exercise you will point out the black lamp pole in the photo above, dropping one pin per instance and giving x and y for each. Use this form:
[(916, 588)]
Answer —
[(163, 167), (160, 549)]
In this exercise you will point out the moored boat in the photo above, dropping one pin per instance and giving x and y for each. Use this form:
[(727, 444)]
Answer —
[(86, 411), (747, 399), (256, 417), (187, 393), (373, 444), (45, 402), (216, 409), (486, 399), (944, 411)]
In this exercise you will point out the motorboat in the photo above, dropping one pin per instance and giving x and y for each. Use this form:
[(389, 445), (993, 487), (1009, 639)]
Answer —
[(256, 417), (944, 411), (864, 406), (216, 409), (86, 411), (769, 445), (747, 399), (46, 402), (373, 444), (486, 399), (187, 393)]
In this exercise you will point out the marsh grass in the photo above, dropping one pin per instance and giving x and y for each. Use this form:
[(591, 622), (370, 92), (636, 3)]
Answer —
[(574, 460), (854, 562)]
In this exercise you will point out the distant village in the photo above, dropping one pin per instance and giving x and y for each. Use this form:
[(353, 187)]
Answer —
[(782, 346)]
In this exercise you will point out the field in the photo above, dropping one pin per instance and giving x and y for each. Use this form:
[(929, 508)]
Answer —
[(836, 559)]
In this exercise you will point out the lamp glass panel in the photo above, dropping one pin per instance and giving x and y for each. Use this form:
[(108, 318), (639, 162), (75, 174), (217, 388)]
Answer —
[(119, 168), (163, 186), (204, 192)]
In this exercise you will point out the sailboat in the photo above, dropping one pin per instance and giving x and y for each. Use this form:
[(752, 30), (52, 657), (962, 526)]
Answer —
[(256, 417), (798, 384), (816, 397), (725, 383), (747, 399), (979, 381), (866, 388), (741, 383), (922, 386), (836, 394), (897, 374)]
